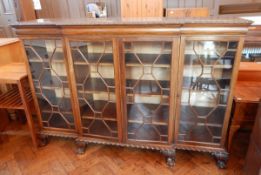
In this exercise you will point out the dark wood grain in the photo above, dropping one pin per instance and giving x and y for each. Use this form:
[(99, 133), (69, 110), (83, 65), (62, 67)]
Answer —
[(119, 105)]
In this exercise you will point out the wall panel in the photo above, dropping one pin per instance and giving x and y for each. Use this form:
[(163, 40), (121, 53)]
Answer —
[(73, 8), (61, 8), (47, 9), (76, 9), (171, 3), (191, 4)]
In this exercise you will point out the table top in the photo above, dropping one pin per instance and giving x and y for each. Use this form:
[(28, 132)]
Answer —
[(250, 66), (247, 91), (13, 72), (6, 41)]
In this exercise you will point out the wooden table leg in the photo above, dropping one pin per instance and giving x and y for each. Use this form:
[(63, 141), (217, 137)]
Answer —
[(4, 121), (28, 113), (234, 127)]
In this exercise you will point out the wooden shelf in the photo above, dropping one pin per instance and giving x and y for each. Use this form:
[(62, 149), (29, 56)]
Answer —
[(148, 99), (149, 87), (139, 113), (229, 57), (46, 61), (96, 85), (152, 123), (210, 66), (92, 58), (201, 52), (99, 128), (12, 100), (49, 78), (199, 115), (50, 111), (223, 82), (189, 132), (148, 60), (82, 63), (47, 108), (201, 124), (104, 110), (201, 112), (147, 132), (146, 86)]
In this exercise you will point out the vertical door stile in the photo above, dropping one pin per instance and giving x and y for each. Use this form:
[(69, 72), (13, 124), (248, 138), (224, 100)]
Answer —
[(117, 57), (72, 85), (180, 65), (123, 92), (233, 83), (173, 88)]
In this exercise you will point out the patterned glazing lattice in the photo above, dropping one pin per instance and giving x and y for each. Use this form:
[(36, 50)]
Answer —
[(208, 67), (49, 75), (148, 67), (94, 71)]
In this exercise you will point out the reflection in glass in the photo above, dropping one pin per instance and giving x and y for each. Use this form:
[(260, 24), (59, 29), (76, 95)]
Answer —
[(148, 89), (94, 73), (49, 75), (207, 74)]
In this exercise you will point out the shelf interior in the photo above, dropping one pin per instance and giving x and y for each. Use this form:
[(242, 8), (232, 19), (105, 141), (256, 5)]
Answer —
[(208, 67), (147, 88), (12, 99)]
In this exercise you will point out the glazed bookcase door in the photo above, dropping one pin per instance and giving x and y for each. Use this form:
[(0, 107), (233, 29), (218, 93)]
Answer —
[(205, 89), (47, 64), (93, 63), (147, 66)]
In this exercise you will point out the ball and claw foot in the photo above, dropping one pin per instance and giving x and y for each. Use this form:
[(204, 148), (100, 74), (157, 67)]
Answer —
[(170, 161), (81, 146), (44, 140), (221, 159), (170, 157)]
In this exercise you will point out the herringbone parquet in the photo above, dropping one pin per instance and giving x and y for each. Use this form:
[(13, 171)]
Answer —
[(17, 156)]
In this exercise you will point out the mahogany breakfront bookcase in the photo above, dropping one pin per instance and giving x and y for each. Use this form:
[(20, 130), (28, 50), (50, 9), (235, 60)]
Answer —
[(162, 84)]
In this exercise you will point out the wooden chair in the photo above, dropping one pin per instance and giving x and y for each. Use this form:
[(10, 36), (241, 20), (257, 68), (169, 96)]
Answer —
[(246, 98), (13, 73), (253, 157), (187, 12)]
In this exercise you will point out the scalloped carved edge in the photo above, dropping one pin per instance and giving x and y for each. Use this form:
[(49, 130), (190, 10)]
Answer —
[(55, 134), (221, 159), (149, 147), (220, 155), (199, 149), (170, 157), (81, 147), (44, 140)]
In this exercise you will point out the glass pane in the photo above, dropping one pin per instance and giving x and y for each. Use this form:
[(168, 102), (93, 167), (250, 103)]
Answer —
[(207, 74), (94, 73), (48, 70), (147, 87)]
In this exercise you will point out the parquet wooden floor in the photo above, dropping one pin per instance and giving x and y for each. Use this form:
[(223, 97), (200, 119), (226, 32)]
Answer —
[(17, 156)]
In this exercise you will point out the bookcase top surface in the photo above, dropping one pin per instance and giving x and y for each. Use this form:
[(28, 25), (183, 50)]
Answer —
[(135, 21)]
